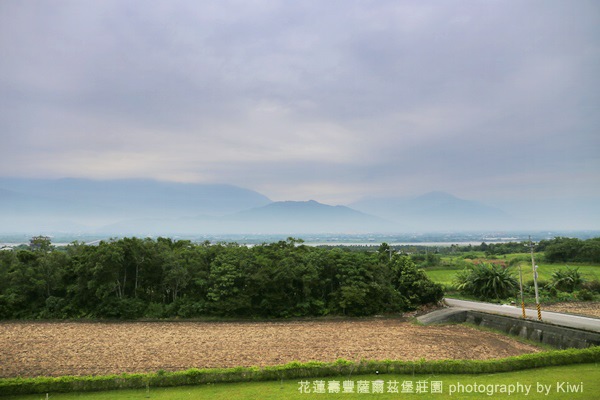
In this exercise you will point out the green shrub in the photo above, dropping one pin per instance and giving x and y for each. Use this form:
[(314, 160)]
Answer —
[(529, 285), (585, 295), (592, 286), (294, 370), (567, 280), (487, 281), (155, 310), (564, 296), (519, 259), (412, 286), (190, 309)]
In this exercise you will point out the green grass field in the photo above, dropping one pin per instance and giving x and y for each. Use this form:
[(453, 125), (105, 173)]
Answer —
[(445, 274), (589, 272), (543, 383)]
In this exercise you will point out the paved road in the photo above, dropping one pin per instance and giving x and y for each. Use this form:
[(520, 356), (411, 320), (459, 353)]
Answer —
[(572, 321)]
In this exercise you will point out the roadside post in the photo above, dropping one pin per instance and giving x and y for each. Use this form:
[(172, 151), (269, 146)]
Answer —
[(521, 287), (535, 276)]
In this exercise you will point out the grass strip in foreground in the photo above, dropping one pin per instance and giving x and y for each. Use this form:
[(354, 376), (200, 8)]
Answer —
[(294, 371), (563, 382)]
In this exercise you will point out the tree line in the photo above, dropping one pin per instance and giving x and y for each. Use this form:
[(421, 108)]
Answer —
[(134, 278), (562, 249), (558, 249)]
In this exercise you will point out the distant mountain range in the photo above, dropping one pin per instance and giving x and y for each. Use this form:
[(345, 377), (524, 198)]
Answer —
[(133, 197), (147, 207), (435, 211), (309, 217), (85, 205), (286, 217)]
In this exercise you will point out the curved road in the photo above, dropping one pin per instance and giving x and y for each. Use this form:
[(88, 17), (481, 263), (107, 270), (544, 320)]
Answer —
[(568, 320)]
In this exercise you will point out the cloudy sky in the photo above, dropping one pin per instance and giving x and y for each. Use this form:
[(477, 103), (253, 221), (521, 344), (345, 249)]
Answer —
[(325, 100)]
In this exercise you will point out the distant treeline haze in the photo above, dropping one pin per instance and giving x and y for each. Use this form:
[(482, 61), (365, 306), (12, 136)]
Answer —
[(145, 278), (559, 249)]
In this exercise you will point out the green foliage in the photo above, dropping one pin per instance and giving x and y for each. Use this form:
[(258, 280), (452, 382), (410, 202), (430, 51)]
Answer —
[(487, 281), (585, 295), (470, 256), (567, 280), (426, 260), (563, 249), (295, 370), (413, 284), (593, 286), (516, 260), (133, 278)]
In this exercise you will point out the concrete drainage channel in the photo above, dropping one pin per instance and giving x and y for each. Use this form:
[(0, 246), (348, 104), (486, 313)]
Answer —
[(557, 336)]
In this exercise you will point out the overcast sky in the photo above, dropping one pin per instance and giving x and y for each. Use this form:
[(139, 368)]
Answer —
[(324, 100)]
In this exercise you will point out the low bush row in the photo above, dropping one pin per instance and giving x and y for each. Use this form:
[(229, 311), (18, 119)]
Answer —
[(294, 370)]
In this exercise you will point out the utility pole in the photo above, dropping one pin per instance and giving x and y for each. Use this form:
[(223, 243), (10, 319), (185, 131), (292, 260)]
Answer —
[(535, 275), (521, 287)]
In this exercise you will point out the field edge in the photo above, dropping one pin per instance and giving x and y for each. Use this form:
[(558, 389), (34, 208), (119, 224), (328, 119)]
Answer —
[(294, 370)]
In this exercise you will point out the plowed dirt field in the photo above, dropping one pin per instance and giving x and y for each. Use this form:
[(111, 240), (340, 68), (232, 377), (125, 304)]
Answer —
[(82, 348), (587, 308)]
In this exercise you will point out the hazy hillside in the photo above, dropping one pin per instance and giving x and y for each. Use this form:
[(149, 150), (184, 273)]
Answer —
[(142, 196), (288, 217), (67, 203), (435, 211), (308, 217), (147, 207)]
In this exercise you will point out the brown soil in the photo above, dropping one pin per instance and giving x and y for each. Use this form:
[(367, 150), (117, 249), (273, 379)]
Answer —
[(76, 348), (587, 308)]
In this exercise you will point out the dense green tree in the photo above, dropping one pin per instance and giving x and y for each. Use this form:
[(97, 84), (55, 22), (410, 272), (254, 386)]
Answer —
[(9, 292), (352, 296), (562, 249), (132, 278), (589, 251), (412, 283), (227, 294)]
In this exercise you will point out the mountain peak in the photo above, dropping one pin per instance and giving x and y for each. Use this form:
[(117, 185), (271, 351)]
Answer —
[(297, 206)]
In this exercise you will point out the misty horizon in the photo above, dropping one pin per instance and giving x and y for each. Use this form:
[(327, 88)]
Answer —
[(342, 103), (148, 207)]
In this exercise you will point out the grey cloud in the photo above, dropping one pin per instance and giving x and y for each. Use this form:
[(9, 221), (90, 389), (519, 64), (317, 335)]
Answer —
[(426, 95)]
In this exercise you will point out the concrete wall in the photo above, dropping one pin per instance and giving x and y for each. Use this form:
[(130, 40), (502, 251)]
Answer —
[(553, 335)]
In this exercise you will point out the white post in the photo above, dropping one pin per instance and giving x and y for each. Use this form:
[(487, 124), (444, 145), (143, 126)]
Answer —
[(521, 287), (535, 275)]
